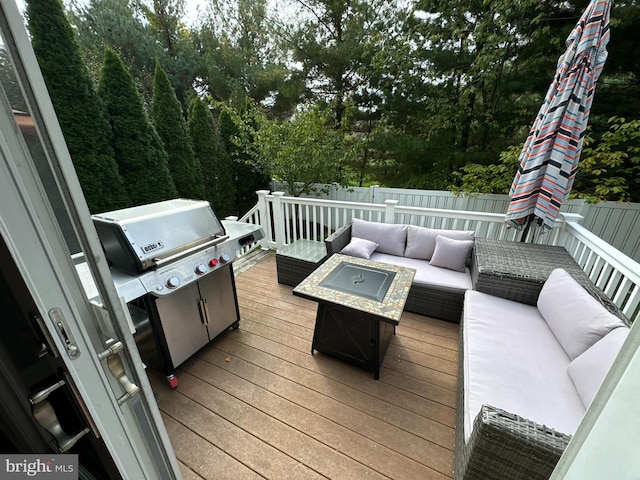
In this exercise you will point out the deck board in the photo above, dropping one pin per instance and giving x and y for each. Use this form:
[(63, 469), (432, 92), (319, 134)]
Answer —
[(254, 402)]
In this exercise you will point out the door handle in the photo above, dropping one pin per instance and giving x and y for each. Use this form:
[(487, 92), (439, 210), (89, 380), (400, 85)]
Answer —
[(46, 416), (204, 311), (116, 367)]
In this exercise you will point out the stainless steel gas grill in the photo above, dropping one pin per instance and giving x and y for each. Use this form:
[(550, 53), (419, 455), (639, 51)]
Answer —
[(172, 263)]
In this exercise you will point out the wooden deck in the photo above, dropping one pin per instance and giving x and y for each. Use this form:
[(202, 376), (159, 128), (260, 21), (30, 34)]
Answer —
[(255, 403)]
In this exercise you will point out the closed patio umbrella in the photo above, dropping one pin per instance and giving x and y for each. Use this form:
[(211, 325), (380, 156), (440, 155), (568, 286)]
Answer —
[(551, 152)]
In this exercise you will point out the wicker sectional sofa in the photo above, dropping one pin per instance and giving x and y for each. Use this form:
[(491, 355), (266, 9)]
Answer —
[(527, 374), (436, 291), (536, 341)]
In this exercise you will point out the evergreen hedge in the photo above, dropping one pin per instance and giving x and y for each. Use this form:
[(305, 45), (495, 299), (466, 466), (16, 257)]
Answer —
[(219, 188), (80, 112), (139, 153), (172, 128)]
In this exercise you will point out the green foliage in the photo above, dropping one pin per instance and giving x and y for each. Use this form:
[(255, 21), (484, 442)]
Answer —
[(217, 170), (141, 157), (172, 129), (178, 54), (79, 110), (335, 42), (139, 31), (302, 152), (610, 169), (461, 79), (114, 24), (419, 89), (494, 178), (248, 175)]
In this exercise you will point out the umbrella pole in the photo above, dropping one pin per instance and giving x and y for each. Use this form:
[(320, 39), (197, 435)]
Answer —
[(525, 231)]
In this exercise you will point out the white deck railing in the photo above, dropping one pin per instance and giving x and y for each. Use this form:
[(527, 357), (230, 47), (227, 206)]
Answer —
[(287, 219)]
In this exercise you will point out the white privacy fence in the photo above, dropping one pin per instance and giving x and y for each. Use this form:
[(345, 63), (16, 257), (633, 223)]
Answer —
[(616, 223), (287, 219)]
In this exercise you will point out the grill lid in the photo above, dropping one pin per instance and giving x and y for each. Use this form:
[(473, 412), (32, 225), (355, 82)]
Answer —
[(138, 238)]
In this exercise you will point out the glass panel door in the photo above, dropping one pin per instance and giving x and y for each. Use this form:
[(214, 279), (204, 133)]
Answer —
[(91, 364)]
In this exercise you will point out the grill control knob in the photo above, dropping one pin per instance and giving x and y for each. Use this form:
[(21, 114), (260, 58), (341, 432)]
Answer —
[(213, 262), (173, 282), (224, 258), (201, 269)]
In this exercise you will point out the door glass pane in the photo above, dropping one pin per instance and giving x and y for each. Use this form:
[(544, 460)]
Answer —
[(97, 317), (26, 124)]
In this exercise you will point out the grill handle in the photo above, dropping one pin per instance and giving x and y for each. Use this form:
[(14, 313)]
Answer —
[(164, 260)]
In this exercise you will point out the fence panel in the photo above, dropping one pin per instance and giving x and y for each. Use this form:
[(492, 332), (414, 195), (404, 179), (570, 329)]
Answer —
[(617, 224)]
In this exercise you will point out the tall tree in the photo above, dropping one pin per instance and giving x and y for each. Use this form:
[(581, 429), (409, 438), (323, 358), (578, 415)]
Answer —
[(172, 128), (79, 110), (217, 170), (140, 155), (116, 24), (241, 58), (178, 54), (463, 81), (334, 42)]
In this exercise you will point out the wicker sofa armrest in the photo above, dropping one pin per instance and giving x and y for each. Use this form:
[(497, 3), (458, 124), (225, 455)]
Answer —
[(503, 445), (338, 240)]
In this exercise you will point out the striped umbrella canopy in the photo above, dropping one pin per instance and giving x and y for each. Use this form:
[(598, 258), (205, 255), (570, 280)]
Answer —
[(549, 158)]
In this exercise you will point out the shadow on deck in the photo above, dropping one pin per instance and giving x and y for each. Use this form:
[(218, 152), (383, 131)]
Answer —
[(254, 403)]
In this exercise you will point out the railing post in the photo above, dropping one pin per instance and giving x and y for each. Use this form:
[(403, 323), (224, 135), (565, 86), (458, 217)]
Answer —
[(563, 236), (263, 210), (390, 211), (278, 219)]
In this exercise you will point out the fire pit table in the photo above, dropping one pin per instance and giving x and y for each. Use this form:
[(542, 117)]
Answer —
[(360, 303)]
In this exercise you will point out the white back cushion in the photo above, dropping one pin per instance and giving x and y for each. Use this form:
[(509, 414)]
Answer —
[(589, 369), (576, 318), (390, 237), (421, 241)]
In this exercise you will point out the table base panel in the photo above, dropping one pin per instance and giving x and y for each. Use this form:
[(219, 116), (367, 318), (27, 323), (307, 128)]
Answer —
[(352, 336)]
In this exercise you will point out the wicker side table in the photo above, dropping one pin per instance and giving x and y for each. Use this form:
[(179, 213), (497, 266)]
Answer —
[(517, 271), (298, 259)]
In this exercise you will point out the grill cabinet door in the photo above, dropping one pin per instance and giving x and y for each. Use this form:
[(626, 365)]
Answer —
[(218, 291), (183, 321)]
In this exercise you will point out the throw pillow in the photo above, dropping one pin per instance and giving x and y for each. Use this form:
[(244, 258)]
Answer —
[(588, 370), (451, 253), (390, 237), (359, 247), (576, 318), (421, 241)]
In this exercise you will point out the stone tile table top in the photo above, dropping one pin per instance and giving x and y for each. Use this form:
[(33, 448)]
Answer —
[(388, 309)]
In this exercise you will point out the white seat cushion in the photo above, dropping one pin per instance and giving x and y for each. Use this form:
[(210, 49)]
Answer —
[(441, 278), (513, 361)]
